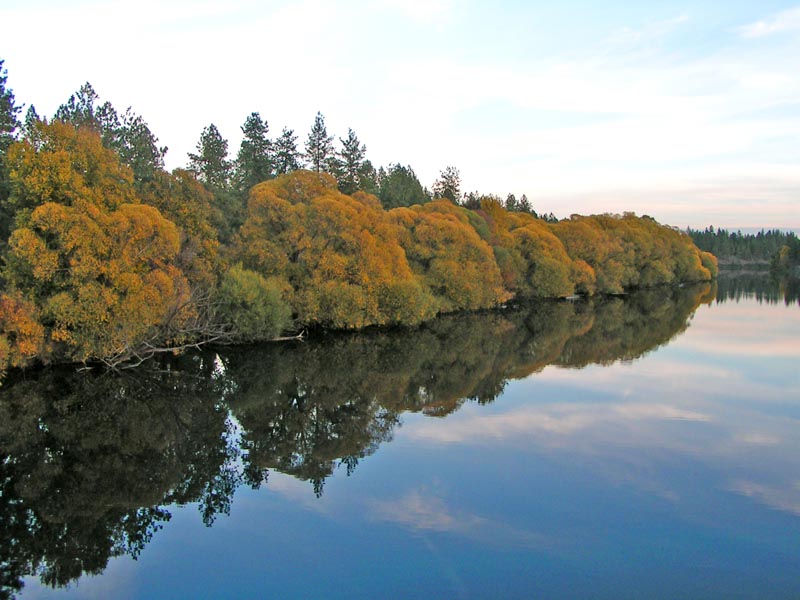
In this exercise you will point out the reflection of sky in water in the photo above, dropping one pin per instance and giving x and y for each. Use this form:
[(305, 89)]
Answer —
[(675, 475)]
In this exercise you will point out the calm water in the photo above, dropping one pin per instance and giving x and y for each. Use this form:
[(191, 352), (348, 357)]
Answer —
[(645, 447)]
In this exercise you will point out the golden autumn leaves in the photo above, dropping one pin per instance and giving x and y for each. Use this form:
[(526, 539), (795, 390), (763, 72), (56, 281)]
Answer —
[(94, 267), (345, 262), (98, 268)]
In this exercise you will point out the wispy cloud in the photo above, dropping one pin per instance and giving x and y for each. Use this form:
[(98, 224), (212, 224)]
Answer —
[(424, 510), (785, 499), (787, 20), (559, 420)]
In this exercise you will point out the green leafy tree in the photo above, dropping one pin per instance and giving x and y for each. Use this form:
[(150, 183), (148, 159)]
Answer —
[(287, 157), (448, 185), (252, 305), (351, 163), (319, 146), (254, 162)]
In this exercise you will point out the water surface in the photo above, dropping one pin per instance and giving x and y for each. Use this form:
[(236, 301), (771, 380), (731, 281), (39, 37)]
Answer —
[(645, 446)]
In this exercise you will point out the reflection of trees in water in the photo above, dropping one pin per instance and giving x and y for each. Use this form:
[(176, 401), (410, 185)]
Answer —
[(304, 407), (761, 285), (88, 460)]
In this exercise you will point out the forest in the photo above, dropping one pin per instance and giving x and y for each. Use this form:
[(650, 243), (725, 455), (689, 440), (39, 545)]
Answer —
[(109, 258), (735, 247)]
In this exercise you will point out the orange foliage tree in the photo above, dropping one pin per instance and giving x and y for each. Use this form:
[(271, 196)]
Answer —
[(449, 257), (336, 256), (99, 268)]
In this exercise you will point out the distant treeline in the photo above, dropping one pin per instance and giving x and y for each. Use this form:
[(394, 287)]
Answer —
[(735, 246), (108, 257)]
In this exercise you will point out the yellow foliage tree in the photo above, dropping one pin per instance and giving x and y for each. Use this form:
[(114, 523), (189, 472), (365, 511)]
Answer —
[(337, 256), (449, 257), (100, 269)]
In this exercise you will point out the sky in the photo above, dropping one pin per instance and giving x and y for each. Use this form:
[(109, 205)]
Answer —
[(686, 111)]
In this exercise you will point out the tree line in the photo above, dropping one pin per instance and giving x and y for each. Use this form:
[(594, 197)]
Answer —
[(735, 246), (108, 257)]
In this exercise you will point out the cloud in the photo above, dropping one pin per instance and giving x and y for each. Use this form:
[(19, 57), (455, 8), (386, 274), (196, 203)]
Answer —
[(785, 499), (425, 511), (787, 20), (558, 420), (295, 490), (421, 511)]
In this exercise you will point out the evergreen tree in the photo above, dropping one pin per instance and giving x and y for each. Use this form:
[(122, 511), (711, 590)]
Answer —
[(211, 165), (80, 109), (287, 158), (511, 203), (138, 148), (9, 111), (128, 136), (9, 124), (351, 163), (399, 186), (448, 185), (524, 205), (319, 146), (368, 178), (254, 161)]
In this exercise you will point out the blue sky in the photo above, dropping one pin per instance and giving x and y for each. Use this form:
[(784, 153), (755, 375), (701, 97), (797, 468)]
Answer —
[(686, 111)]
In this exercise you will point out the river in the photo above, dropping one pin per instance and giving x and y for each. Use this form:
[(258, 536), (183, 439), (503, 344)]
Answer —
[(629, 447)]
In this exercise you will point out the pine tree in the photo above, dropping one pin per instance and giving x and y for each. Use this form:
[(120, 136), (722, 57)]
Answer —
[(138, 148), (351, 163), (399, 186), (254, 160), (319, 146), (9, 111), (368, 178), (448, 185), (511, 202), (211, 165), (287, 158), (9, 124), (524, 205), (128, 136)]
